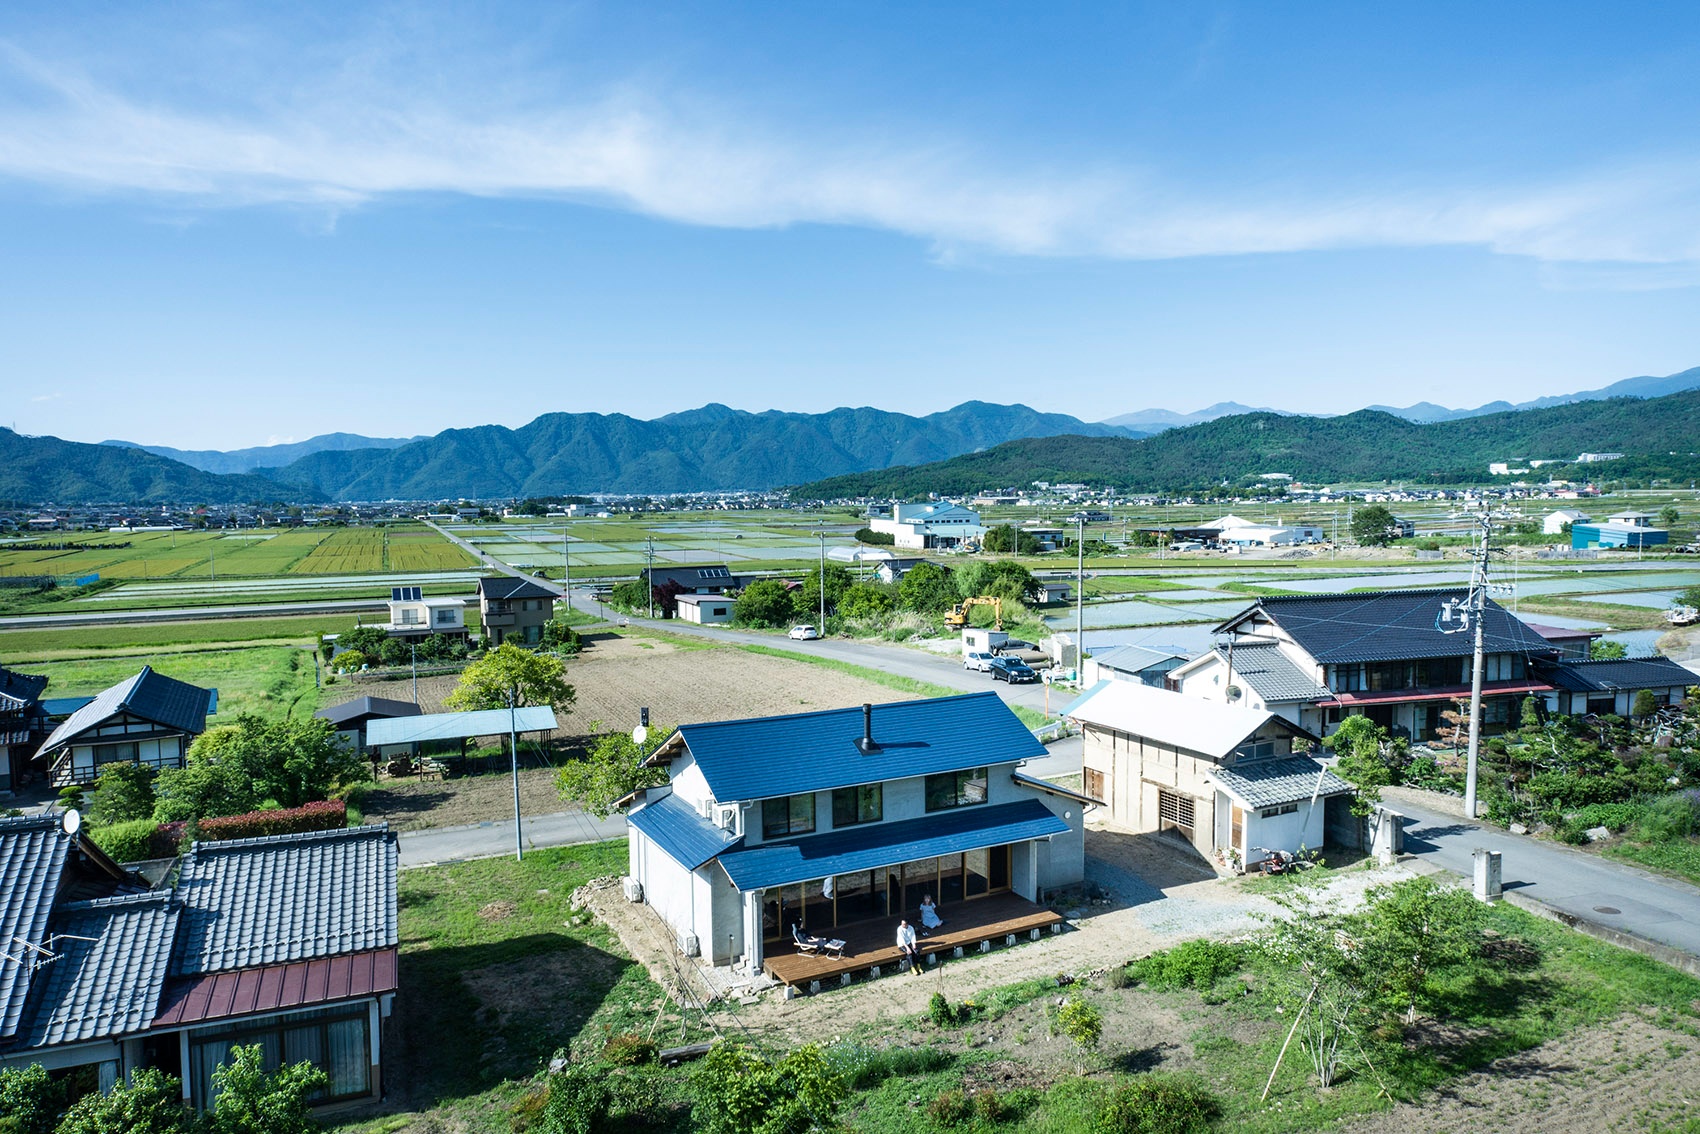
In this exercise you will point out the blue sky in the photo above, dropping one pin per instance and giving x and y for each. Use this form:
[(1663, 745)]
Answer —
[(226, 225)]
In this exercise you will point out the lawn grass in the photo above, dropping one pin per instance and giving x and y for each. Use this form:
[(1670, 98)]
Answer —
[(1616, 616), (1680, 857), (269, 681)]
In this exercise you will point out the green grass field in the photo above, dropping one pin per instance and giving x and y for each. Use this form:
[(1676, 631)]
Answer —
[(21, 645), (269, 681)]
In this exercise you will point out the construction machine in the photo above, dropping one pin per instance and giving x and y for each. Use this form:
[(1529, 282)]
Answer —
[(958, 616)]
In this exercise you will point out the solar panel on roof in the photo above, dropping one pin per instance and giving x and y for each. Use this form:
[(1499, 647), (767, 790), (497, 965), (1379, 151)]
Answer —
[(406, 594)]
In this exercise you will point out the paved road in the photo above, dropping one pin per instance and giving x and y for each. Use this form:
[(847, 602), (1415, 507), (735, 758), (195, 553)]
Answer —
[(481, 840), (1660, 909)]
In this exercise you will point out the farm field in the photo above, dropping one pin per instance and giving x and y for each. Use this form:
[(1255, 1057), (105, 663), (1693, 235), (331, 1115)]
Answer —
[(20, 646), (270, 681)]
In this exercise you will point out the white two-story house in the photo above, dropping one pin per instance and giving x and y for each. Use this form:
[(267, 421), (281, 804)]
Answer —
[(822, 820), (413, 614)]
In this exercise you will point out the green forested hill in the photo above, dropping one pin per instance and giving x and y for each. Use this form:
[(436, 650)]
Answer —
[(1660, 437), (41, 469)]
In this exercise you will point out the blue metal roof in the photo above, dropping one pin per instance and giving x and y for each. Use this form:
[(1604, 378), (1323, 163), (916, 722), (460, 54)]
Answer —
[(675, 827), (456, 726), (766, 757), (883, 844)]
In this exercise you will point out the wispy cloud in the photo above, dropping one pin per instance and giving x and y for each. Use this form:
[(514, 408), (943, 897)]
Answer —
[(348, 143)]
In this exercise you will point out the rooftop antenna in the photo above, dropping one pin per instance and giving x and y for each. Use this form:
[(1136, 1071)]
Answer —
[(32, 956)]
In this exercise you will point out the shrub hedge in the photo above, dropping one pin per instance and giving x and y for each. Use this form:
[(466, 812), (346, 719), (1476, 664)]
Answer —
[(143, 838)]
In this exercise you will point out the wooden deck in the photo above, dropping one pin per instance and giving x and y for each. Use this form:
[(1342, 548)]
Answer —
[(874, 943)]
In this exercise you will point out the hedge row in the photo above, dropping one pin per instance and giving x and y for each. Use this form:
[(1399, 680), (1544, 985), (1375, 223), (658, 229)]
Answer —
[(142, 839)]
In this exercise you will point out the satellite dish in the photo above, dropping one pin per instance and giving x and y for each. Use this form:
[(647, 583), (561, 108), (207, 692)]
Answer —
[(72, 822), (639, 735)]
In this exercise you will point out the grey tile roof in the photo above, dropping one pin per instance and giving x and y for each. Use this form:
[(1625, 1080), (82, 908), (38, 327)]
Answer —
[(33, 853), (765, 757), (111, 967), (1134, 659), (18, 691), (675, 827), (149, 695), (508, 587), (1390, 626), (1275, 678), (286, 898), (1269, 783), (1610, 676)]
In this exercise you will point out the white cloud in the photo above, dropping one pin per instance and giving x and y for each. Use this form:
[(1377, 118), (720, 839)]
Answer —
[(350, 140)]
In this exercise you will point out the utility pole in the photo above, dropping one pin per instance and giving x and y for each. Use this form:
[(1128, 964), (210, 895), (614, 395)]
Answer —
[(1080, 599), (513, 749), (822, 580), (567, 570), (1475, 605), (413, 649), (649, 568)]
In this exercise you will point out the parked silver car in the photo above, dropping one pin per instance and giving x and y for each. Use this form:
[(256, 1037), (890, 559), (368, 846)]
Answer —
[(978, 661)]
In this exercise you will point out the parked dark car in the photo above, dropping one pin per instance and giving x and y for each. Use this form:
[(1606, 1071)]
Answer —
[(1013, 670)]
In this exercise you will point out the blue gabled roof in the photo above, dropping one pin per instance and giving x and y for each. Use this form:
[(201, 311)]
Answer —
[(881, 844), (1390, 626), (674, 826), (766, 757)]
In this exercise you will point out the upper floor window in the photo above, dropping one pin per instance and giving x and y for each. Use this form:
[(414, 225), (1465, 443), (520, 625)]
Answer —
[(445, 618), (956, 789), (788, 815), (852, 805), (1255, 750)]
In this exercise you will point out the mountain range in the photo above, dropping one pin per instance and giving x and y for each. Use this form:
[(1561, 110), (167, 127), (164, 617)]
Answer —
[(266, 456), (1656, 435), (38, 469), (1156, 420)]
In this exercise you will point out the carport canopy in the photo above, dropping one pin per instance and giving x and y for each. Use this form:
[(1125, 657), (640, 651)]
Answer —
[(457, 726)]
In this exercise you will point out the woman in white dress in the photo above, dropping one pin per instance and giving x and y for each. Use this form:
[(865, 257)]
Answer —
[(930, 919)]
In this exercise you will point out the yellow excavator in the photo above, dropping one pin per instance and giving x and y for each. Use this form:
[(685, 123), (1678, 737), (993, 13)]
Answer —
[(958, 616)]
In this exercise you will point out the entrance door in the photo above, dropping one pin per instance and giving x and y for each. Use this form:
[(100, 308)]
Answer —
[(1236, 838)]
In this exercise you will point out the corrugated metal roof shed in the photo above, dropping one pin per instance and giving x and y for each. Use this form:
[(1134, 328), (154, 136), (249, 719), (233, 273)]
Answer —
[(1270, 783), (676, 828), (272, 988), (33, 852), (284, 898), (1389, 626), (149, 695), (882, 844), (111, 967), (1190, 723), (764, 757), (456, 726)]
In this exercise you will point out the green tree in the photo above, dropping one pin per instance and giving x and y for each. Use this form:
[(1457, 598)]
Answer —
[(1690, 597), (764, 603), (927, 589), (739, 1092), (866, 601), (1364, 760), (367, 639), (29, 1099), (1007, 538), (253, 1102), (1410, 933), (292, 761), (1373, 526), (203, 788), (875, 539), (1645, 705), (560, 637), (1607, 650), (1080, 1020), (123, 793), (611, 770), (632, 595), (511, 670), (150, 1103), (805, 600), (1668, 515)]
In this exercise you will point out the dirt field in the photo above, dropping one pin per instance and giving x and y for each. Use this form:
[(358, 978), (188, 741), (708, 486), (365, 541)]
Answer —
[(613, 678)]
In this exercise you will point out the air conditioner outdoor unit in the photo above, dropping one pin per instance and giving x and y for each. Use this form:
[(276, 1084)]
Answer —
[(688, 944), (728, 818), (633, 889)]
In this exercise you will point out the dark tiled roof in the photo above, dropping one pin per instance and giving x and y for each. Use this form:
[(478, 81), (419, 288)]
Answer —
[(881, 844), (149, 695), (1269, 783), (1390, 626), (675, 827), (1275, 678), (284, 898), (18, 691), (773, 756), (1610, 676), (272, 988), (33, 852), (508, 587), (111, 967), (362, 709)]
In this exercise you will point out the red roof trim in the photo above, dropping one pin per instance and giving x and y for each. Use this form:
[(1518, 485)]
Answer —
[(277, 988), (1491, 689)]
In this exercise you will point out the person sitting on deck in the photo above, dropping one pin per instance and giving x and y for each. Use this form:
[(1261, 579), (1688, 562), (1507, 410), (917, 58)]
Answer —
[(906, 945), (930, 918)]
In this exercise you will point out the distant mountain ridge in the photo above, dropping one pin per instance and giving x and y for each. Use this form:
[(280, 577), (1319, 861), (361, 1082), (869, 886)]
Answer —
[(1646, 386), (266, 456), (41, 469), (715, 448), (1657, 436)]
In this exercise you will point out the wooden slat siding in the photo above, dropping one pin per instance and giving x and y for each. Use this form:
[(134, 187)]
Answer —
[(870, 943), (277, 987)]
